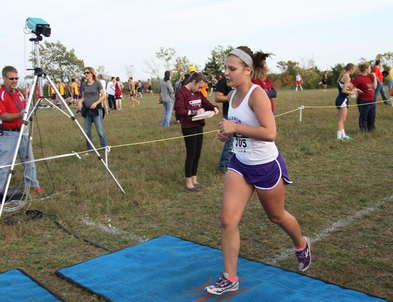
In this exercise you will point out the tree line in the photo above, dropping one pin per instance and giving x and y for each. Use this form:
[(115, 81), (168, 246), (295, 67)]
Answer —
[(63, 65)]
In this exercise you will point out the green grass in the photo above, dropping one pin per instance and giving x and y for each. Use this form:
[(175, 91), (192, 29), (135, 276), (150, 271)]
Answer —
[(332, 181)]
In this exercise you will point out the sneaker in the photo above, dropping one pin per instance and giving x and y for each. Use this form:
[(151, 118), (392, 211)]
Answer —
[(222, 285), (304, 256), (346, 138), (38, 190)]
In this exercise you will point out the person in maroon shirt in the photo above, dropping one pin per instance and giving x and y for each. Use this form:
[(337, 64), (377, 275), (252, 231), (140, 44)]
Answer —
[(190, 102), (367, 83), (261, 79)]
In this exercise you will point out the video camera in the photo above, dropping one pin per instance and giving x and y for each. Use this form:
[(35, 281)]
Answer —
[(38, 26)]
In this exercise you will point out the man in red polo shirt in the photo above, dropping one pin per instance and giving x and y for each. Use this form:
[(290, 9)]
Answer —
[(12, 108)]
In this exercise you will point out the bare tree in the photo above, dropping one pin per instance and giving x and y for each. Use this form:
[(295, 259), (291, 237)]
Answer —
[(153, 68), (129, 70)]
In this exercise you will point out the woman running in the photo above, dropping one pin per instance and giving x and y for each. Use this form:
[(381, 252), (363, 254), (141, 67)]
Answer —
[(256, 165), (323, 82)]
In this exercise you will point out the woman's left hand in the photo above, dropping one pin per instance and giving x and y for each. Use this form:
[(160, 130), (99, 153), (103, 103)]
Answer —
[(216, 111), (226, 127), (93, 106)]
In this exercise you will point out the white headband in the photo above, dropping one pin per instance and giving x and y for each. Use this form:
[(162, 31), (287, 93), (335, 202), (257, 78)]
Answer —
[(245, 57)]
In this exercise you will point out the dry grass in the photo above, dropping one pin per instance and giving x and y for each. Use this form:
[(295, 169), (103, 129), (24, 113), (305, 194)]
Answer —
[(332, 181)]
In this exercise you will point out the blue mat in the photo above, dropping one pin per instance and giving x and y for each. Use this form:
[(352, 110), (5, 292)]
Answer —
[(17, 286), (171, 269)]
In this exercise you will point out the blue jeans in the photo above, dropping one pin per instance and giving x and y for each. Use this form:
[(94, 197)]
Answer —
[(226, 153), (97, 120), (380, 89), (168, 114), (390, 85), (8, 143)]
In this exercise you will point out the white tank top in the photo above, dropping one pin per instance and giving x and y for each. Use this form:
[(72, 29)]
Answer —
[(249, 151)]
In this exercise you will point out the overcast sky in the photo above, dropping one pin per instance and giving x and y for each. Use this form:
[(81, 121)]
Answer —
[(117, 33)]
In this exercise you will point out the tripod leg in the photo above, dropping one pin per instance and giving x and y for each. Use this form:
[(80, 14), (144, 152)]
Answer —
[(83, 131), (22, 128)]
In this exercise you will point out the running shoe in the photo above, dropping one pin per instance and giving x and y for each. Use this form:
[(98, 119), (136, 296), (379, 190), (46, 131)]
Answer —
[(222, 285), (304, 256), (346, 138)]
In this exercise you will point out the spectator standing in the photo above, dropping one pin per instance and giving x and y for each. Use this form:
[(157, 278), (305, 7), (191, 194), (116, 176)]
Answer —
[(12, 109), (167, 98), (110, 89), (93, 94), (221, 96), (378, 69), (104, 103), (366, 82), (345, 88), (118, 93), (261, 79), (390, 78), (191, 102)]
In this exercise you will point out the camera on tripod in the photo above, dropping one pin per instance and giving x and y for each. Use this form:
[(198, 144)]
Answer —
[(38, 26)]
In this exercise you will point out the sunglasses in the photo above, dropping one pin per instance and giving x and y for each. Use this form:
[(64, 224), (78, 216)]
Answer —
[(12, 79), (87, 72)]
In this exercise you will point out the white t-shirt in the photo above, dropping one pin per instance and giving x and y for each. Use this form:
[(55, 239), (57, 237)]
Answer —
[(103, 83), (110, 89)]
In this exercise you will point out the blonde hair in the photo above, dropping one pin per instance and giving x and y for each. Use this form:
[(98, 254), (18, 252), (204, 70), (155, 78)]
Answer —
[(363, 66), (93, 73), (348, 67)]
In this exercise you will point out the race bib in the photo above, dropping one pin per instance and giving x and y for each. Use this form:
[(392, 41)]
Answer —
[(242, 145)]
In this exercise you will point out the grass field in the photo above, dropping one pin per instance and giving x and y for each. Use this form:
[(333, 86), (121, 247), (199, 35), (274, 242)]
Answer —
[(342, 194)]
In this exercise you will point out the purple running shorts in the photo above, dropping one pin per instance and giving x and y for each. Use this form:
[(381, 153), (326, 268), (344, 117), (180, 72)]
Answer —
[(264, 176)]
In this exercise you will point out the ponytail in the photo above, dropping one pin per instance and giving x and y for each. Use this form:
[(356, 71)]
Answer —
[(259, 61)]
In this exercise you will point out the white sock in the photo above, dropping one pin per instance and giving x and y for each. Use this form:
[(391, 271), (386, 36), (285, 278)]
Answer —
[(296, 88), (339, 134), (343, 133), (301, 88)]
